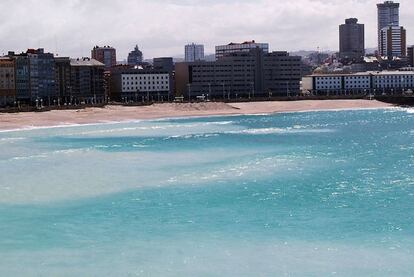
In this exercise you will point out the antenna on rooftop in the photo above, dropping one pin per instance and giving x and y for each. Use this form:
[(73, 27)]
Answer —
[(56, 46)]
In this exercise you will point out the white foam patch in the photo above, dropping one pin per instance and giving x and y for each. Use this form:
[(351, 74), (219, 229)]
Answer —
[(401, 109), (9, 140), (198, 256), (80, 173), (288, 130), (153, 129)]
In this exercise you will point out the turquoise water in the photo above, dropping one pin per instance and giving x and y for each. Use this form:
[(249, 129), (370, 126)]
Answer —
[(299, 194)]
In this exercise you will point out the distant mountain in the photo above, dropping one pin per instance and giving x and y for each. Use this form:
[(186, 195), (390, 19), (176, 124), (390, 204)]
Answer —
[(210, 57), (305, 53), (302, 53), (207, 57), (178, 59)]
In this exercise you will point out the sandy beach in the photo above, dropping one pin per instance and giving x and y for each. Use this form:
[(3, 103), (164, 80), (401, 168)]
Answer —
[(119, 113)]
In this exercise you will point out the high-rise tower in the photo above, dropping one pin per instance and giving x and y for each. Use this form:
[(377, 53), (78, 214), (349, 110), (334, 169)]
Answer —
[(194, 52), (388, 15), (351, 40)]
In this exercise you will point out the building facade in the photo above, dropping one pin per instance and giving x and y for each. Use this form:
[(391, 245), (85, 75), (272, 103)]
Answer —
[(240, 75), (194, 52), (135, 57), (87, 81), (352, 40), (23, 91), (164, 63), (141, 85), (410, 55), (63, 78), (393, 42), (282, 73), (363, 82), (224, 50), (388, 15), (105, 55), (42, 75), (7, 81)]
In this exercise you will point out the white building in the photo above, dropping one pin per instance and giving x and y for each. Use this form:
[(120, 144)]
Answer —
[(383, 81), (357, 81), (143, 82), (393, 42), (223, 50), (393, 80), (194, 52), (330, 82)]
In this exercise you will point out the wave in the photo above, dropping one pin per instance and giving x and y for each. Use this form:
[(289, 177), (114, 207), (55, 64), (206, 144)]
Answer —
[(401, 109), (288, 130), (109, 122), (159, 127), (6, 140), (45, 155), (257, 131)]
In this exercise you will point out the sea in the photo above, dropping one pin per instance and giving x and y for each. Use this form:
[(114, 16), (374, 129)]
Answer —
[(326, 193)]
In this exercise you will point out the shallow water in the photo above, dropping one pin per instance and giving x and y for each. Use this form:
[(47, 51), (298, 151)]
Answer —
[(299, 194)]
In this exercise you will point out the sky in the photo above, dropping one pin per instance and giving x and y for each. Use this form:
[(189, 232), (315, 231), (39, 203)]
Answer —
[(163, 27)]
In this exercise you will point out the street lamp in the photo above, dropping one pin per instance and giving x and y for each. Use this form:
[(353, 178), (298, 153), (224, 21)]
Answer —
[(287, 89), (189, 93)]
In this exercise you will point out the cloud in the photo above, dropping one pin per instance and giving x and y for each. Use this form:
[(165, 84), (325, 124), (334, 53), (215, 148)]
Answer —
[(163, 27)]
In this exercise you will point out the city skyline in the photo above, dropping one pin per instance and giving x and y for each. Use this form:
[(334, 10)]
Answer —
[(73, 27)]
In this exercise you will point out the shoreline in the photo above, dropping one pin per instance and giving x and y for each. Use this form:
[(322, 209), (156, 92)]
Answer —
[(25, 121)]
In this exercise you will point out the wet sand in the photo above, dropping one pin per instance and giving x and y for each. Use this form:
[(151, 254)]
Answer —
[(170, 110)]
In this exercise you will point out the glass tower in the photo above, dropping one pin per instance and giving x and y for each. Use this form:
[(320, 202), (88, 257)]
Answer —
[(388, 15)]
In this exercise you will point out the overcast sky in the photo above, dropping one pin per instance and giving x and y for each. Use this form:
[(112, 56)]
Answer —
[(163, 27)]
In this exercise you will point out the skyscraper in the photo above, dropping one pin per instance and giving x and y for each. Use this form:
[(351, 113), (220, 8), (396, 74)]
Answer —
[(388, 15), (194, 52), (393, 42), (106, 55), (135, 57), (351, 40)]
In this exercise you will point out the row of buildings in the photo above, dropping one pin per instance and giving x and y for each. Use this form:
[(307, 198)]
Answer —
[(241, 70), (245, 69), (39, 77), (375, 82)]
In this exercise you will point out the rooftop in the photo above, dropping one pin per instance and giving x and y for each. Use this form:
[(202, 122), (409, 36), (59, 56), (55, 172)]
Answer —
[(366, 73), (85, 62)]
